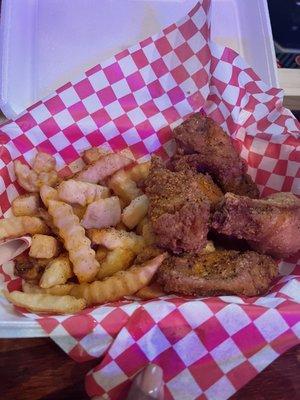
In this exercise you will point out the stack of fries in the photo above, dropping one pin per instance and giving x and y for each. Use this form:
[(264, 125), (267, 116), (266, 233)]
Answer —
[(87, 233)]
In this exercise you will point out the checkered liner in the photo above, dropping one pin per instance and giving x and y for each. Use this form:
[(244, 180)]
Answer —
[(208, 348)]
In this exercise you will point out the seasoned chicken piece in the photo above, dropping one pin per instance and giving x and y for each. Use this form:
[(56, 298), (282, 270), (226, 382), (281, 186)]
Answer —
[(207, 186), (207, 148), (178, 211), (152, 251), (209, 189), (270, 225), (223, 272)]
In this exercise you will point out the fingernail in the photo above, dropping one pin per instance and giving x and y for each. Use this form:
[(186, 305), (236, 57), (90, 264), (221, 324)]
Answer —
[(150, 380)]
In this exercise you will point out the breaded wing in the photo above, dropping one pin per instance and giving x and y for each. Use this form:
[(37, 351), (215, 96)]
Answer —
[(207, 148)]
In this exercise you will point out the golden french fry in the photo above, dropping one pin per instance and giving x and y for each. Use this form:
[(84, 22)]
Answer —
[(82, 193), (150, 292), (123, 283), (79, 211), (81, 254), (102, 213), (121, 227), (20, 226), (43, 162), (30, 180), (26, 177), (112, 238), (124, 187), (93, 154), (136, 211), (57, 272), (139, 172), (58, 290), (116, 260), (74, 167), (26, 205), (48, 193), (46, 302), (47, 178), (44, 246), (140, 225), (101, 253), (103, 168), (46, 217)]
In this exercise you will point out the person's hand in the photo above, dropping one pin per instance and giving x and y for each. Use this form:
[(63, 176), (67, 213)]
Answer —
[(147, 385)]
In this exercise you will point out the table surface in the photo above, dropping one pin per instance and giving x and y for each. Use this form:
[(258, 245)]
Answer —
[(32, 369)]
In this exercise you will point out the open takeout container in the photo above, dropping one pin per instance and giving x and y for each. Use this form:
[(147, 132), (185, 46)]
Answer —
[(130, 102), (37, 56)]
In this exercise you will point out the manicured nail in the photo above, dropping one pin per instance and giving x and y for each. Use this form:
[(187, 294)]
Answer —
[(150, 380)]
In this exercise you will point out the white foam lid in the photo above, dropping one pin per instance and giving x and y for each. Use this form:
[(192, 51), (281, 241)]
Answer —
[(46, 43)]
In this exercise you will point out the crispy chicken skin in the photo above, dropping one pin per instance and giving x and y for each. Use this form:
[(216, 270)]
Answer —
[(178, 211), (218, 273), (209, 189), (270, 225), (204, 146)]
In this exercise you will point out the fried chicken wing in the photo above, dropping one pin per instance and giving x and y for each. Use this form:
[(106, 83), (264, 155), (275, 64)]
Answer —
[(270, 225), (178, 211), (207, 148), (209, 189), (218, 273)]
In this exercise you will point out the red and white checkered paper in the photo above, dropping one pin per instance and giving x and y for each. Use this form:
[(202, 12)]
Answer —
[(208, 348)]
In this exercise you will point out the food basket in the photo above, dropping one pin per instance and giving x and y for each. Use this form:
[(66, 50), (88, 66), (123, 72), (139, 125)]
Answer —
[(130, 103)]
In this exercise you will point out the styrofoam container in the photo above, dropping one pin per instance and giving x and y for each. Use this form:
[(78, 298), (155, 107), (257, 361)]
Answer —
[(44, 43)]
